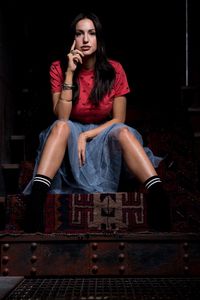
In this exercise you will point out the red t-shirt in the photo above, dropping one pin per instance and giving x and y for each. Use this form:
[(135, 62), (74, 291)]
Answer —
[(83, 110)]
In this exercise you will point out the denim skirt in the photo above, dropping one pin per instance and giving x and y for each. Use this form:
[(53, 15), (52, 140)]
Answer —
[(103, 165)]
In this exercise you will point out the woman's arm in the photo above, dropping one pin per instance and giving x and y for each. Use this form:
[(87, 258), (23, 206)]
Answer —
[(119, 116), (62, 101)]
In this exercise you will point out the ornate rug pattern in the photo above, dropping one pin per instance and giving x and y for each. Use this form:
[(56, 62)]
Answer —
[(126, 210)]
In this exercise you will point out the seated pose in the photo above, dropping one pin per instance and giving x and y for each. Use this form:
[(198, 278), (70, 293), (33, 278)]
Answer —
[(84, 150)]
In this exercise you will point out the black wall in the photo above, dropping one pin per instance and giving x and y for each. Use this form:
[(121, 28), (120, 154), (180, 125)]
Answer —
[(147, 37)]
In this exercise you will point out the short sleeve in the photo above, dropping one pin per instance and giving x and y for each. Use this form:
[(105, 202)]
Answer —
[(121, 85), (56, 77)]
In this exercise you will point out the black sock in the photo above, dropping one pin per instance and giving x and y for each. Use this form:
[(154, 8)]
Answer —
[(158, 205), (35, 206), (152, 182)]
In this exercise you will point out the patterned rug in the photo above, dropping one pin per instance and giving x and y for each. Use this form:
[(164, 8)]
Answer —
[(97, 213), (126, 210), (119, 212)]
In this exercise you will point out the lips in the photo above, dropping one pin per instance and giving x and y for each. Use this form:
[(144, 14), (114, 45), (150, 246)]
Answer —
[(85, 48)]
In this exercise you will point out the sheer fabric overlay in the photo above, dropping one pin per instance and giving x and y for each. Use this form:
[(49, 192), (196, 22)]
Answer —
[(104, 161)]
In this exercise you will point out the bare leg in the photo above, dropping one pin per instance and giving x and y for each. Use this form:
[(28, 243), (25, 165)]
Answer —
[(158, 206), (135, 156), (51, 159), (54, 150)]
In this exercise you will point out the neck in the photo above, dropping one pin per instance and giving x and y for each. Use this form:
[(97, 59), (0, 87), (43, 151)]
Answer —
[(89, 62)]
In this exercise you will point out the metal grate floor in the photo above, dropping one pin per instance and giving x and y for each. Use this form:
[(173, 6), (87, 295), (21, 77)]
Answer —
[(107, 289)]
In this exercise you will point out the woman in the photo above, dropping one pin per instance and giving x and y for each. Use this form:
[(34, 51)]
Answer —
[(82, 152)]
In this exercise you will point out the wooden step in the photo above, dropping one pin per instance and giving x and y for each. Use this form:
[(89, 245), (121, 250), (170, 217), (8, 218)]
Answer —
[(17, 137), (10, 166), (194, 109)]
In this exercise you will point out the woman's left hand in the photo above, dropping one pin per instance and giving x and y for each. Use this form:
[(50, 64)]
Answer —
[(82, 140)]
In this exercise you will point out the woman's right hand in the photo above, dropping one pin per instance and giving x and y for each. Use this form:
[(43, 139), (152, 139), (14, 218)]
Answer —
[(74, 57), (82, 141)]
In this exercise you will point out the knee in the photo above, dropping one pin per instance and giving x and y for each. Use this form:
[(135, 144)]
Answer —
[(61, 129), (123, 133), (126, 136)]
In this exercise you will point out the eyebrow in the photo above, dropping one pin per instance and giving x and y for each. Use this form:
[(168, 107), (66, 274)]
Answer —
[(81, 30)]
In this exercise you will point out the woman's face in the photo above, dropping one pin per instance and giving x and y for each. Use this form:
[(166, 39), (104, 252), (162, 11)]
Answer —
[(85, 37)]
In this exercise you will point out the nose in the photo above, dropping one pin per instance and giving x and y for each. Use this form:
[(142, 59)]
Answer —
[(85, 38)]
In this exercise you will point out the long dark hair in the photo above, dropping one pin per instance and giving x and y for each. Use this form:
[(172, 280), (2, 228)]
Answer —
[(104, 73)]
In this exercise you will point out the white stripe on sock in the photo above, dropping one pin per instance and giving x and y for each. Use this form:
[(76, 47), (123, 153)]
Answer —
[(152, 182), (43, 180)]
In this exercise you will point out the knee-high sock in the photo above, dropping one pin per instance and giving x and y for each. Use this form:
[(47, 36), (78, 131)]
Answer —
[(158, 205), (35, 206)]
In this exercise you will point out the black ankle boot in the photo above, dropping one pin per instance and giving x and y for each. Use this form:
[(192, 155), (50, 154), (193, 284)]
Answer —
[(158, 210)]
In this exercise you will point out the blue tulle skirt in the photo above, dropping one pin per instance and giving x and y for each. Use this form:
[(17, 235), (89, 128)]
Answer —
[(103, 166)]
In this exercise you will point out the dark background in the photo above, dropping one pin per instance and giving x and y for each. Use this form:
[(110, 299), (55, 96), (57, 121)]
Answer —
[(147, 37)]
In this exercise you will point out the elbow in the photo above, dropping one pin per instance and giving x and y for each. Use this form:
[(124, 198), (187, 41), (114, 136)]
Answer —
[(122, 120), (119, 120)]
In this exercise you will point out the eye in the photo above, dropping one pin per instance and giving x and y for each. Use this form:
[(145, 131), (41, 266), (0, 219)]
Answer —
[(77, 33)]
